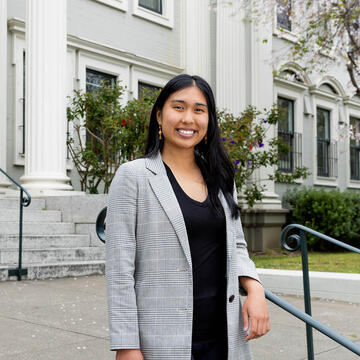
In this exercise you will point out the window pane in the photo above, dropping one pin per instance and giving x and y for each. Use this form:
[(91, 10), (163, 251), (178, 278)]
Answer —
[(283, 8), (354, 148), (146, 88), (323, 123), (94, 79), (154, 5), (286, 118)]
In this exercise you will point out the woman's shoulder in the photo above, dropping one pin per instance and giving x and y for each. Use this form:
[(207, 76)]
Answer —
[(134, 168)]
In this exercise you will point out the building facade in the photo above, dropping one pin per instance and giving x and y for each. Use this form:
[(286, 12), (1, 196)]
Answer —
[(50, 48)]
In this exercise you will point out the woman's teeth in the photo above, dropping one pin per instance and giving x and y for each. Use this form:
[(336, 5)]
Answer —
[(188, 132)]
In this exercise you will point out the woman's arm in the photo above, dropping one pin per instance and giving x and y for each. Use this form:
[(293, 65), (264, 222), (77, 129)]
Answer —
[(120, 260), (254, 309)]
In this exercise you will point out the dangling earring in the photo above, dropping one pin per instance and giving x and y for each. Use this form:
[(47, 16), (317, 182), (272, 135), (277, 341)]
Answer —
[(160, 132), (205, 138)]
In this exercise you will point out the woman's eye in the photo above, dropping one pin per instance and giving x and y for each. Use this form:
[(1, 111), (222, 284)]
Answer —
[(199, 110), (178, 107)]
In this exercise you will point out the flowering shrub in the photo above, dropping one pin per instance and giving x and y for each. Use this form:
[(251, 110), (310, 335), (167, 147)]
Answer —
[(117, 133), (244, 139)]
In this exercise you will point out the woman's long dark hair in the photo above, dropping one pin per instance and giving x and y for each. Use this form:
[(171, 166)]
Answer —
[(210, 157)]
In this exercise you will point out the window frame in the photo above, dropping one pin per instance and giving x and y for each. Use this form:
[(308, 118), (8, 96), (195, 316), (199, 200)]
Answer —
[(151, 9), (293, 91), (352, 109), (122, 5), (165, 19), (97, 63), (329, 102)]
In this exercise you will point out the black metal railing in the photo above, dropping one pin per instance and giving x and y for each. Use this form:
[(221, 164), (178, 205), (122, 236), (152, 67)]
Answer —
[(355, 162), (24, 201), (291, 159), (300, 241), (310, 321), (327, 158), (294, 241)]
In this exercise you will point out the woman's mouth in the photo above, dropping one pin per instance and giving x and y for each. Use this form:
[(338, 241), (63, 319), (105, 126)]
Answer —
[(185, 132)]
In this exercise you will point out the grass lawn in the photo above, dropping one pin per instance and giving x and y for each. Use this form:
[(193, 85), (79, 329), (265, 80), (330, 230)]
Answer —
[(329, 262)]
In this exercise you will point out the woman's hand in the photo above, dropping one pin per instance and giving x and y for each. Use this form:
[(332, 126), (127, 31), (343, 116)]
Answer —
[(254, 309), (129, 354)]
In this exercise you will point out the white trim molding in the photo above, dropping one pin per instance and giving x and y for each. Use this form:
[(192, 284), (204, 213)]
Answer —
[(117, 4), (4, 183), (165, 19)]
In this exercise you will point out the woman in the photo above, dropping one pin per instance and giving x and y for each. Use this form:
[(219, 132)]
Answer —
[(176, 255)]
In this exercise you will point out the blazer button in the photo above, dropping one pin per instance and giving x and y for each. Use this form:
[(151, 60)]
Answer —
[(231, 298)]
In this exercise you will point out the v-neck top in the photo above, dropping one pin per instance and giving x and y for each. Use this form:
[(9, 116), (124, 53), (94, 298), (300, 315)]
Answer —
[(206, 232)]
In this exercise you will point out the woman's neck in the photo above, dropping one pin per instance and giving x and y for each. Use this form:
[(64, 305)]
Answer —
[(183, 160)]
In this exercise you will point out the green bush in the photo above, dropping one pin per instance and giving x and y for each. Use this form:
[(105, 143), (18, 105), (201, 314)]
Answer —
[(332, 213)]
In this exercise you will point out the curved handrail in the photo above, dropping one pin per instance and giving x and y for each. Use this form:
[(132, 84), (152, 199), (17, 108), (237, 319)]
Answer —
[(101, 225), (297, 239), (25, 200), (301, 243), (312, 322)]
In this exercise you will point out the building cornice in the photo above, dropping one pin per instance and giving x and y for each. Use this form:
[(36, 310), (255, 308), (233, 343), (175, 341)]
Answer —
[(292, 84), (18, 26)]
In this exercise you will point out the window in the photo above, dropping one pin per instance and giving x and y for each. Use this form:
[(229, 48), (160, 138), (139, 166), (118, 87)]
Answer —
[(160, 12), (143, 87), (354, 148), (153, 5), (23, 105), (326, 149), (94, 81), (283, 9), (290, 157)]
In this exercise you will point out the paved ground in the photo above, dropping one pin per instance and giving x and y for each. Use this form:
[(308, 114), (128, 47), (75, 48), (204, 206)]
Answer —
[(66, 319)]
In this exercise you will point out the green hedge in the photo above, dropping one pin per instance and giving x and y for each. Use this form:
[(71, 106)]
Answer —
[(333, 213)]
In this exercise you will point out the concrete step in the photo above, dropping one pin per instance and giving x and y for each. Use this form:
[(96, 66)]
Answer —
[(52, 255), (14, 203), (44, 241), (37, 228), (46, 271), (30, 215)]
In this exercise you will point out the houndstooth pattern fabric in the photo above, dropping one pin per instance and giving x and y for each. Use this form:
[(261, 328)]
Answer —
[(148, 267)]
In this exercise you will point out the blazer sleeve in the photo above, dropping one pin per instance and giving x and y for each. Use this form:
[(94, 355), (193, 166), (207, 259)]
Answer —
[(245, 266), (120, 260)]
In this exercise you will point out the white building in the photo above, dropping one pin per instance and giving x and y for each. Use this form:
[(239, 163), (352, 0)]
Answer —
[(49, 48)]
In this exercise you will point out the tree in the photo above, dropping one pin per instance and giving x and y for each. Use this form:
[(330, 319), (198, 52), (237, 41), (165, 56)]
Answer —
[(326, 32)]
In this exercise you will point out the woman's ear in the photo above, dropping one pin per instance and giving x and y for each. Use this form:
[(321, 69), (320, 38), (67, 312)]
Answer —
[(158, 116)]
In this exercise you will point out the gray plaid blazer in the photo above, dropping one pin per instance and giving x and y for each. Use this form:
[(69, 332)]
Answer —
[(148, 267)]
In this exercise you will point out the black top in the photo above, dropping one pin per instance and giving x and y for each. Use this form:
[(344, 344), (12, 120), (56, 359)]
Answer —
[(206, 232)]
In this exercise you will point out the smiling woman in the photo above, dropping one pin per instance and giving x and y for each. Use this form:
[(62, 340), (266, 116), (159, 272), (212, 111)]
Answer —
[(176, 258)]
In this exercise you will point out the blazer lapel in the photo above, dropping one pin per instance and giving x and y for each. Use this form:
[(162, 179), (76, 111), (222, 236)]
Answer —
[(167, 198)]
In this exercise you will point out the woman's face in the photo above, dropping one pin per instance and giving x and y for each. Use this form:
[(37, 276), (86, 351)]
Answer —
[(184, 118)]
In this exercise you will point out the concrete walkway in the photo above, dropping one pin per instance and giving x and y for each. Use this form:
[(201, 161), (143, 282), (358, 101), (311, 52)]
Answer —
[(66, 319)]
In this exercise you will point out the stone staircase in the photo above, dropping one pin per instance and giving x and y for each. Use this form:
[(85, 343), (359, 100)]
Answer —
[(51, 247)]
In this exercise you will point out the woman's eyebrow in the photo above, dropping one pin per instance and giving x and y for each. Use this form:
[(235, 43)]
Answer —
[(184, 102)]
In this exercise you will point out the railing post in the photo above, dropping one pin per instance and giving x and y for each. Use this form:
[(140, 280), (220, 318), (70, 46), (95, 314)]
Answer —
[(20, 235), (307, 297)]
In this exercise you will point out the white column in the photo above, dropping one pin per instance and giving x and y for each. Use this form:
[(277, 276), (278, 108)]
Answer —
[(4, 183), (260, 93), (197, 38), (230, 58), (45, 143)]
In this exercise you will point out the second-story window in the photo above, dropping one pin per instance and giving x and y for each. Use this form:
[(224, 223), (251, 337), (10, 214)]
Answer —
[(153, 5), (326, 149), (283, 8), (354, 148)]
